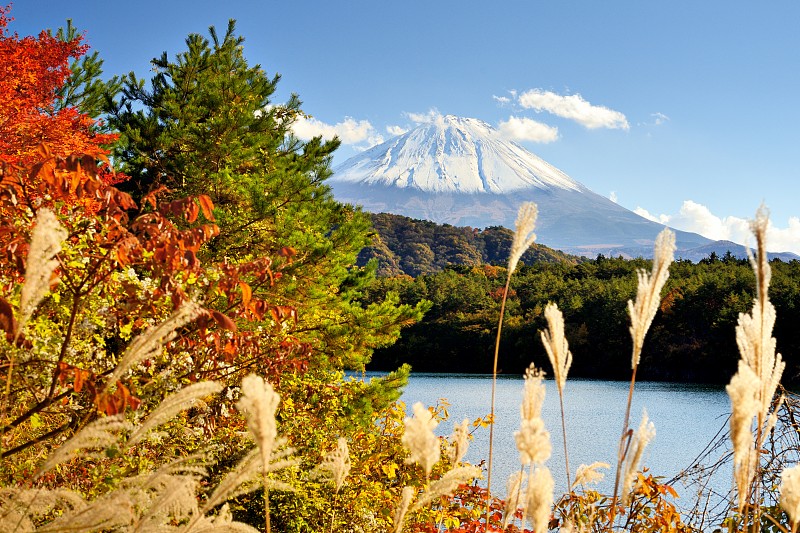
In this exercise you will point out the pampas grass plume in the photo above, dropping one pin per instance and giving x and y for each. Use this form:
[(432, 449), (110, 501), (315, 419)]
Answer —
[(150, 342), (101, 433), (648, 292), (514, 497), (556, 345), (642, 437), (419, 440), (459, 443), (540, 499), (523, 233), (46, 239), (587, 474), (336, 464), (790, 494), (533, 440)]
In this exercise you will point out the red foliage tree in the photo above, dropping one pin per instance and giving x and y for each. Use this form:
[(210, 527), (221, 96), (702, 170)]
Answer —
[(32, 69)]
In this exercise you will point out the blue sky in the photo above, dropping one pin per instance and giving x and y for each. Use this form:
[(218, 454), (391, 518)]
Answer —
[(686, 111)]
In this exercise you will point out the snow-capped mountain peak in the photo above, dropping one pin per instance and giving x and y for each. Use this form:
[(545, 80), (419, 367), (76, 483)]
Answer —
[(453, 154)]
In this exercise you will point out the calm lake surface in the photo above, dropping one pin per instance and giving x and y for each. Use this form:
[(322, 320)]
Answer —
[(686, 417)]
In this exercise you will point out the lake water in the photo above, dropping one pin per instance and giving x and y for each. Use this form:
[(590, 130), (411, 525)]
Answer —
[(686, 418)]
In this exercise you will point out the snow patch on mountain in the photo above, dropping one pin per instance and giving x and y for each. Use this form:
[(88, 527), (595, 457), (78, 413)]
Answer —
[(453, 154)]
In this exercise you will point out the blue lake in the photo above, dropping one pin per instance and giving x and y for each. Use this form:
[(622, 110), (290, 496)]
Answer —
[(686, 417)]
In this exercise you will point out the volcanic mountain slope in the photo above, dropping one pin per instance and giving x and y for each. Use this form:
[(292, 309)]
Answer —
[(460, 171)]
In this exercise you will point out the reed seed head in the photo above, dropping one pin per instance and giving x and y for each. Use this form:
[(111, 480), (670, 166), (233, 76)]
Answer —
[(640, 440), (540, 498), (523, 233), (587, 474), (45, 244), (790, 493), (418, 438), (336, 464), (459, 443), (259, 402), (533, 440), (556, 345), (648, 292)]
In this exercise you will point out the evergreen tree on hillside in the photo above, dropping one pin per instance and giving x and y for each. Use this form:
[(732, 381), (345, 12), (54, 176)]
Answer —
[(206, 124)]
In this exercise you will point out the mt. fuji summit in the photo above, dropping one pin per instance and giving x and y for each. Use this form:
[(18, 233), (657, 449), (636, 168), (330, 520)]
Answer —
[(461, 171)]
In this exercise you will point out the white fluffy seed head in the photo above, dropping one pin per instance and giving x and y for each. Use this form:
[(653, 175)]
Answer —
[(556, 345), (790, 493), (419, 439), (648, 292), (640, 440), (523, 233), (45, 244)]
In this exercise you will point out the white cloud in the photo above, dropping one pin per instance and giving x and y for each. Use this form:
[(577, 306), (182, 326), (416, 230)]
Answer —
[(349, 131), (526, 129), (573, 107), (430, 117), (698, 218), (613, 196), (502, 100), (659, 118), (395, 130)]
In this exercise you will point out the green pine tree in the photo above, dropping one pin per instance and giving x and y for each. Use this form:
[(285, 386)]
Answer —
[(206, 123)]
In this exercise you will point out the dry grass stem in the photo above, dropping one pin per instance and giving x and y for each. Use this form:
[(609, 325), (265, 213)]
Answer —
[(459, 443), (588, 474), (556, 345), (45, 244), (523, 233), (419, 439), (790, 494), (446, 485), (515, 497), (172, 405), (640, 440), (533, 440), (151, 341), (648, 292), (101, 433), (336, 465), (402, 508), (539, 498)]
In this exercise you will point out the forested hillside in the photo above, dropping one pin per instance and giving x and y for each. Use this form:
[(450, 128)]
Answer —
[(692, 337), (403, 245)]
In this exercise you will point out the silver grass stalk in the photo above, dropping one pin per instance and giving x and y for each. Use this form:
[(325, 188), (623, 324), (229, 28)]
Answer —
[(523, 233), (258, 403), (419, 439), (446, 485), (533, 440), (523, 238), (21, 508), (790, 494), (539, 499), (172, 405), (113, 512), (514, 497), (46, 239), (459, 443), (402, 508), (640, 440), (336, 464), (101, 433), (556, 345), (648, 292), (743, 391), (588, 474), (149, 343)]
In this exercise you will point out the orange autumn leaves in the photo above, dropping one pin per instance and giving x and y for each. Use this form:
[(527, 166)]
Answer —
[(32, 69)]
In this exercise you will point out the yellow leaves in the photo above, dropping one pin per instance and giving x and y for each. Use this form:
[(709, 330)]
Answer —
[(390, 469)]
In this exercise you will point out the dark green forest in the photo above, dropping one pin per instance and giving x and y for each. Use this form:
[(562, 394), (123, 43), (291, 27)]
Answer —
[(692, 338)]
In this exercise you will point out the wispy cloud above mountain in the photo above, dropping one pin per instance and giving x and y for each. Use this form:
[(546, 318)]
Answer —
[(573, 107), (350, 131), (698, 218), (527, 129)]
